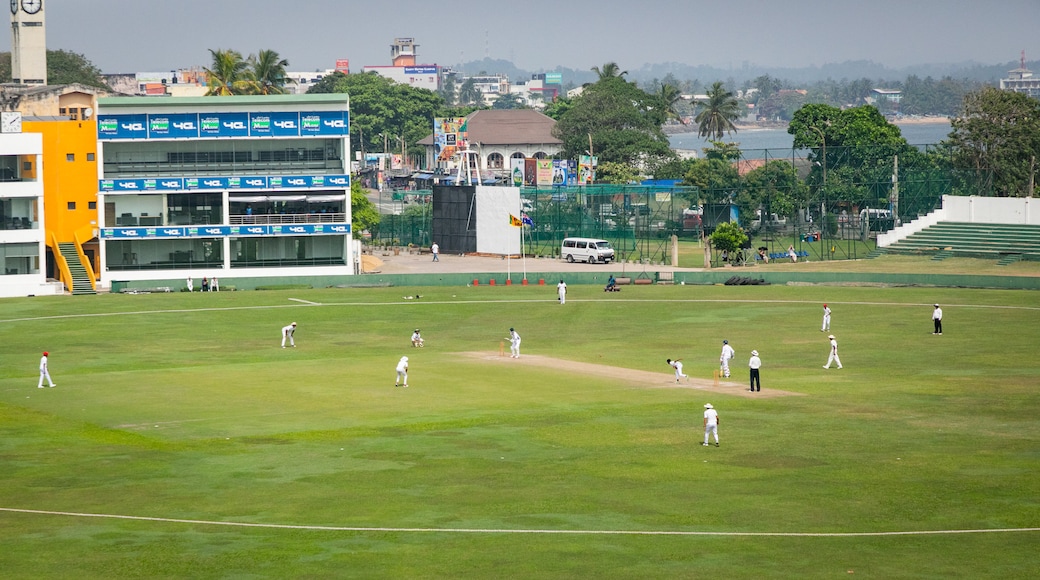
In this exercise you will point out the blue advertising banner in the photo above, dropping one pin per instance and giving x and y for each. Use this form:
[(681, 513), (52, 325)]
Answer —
[(324, 123), (247, 182), (123, 127), (420, 70), (250, 230), (224, 124), (222, 231), (216, 125), (213, 183), (179, 126), (221, 183), (208, 231), (274, 124)]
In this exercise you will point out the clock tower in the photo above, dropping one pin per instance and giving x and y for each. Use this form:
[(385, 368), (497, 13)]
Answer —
[(28, 42)]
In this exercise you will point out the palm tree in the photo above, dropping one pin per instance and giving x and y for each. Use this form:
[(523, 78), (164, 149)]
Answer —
[(670, 95), (610, 70), (469, 94), (268, 73), (717, 115), (229, 75)]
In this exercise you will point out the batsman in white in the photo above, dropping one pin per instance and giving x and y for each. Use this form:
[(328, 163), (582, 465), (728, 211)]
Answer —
[(402, 372), (514, 343), (724, 358)]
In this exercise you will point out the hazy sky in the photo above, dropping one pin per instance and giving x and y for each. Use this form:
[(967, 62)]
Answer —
[(122, 36)]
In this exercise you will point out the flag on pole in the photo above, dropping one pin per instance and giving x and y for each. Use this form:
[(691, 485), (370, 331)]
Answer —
[(526, 220), (515, 221)]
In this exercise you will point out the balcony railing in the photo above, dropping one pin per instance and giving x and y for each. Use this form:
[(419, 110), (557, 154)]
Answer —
[(289, 218)]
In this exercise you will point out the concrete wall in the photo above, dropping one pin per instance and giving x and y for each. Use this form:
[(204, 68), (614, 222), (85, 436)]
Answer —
[(970, 209), (991, 210)]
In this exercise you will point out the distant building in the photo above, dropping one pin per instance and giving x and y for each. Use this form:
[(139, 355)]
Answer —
[(498, 135), (891, 95), (1021, 80), (403, 68)]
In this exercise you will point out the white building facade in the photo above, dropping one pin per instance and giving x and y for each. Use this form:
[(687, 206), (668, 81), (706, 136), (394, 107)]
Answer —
[(244, 188), (22, 234)]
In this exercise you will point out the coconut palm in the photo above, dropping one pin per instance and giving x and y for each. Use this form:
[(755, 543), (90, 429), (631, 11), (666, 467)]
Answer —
[(229, 74), (268, 73), (469, 94), (610, 70), (717, 115), (671, 96)]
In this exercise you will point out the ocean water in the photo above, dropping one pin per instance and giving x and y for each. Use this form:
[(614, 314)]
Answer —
[(918, 134)]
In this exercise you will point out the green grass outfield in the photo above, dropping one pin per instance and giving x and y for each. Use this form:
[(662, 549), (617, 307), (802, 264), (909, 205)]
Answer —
[(183, 407)]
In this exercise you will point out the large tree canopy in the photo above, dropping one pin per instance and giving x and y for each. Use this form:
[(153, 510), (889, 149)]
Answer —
[(383, 112), (624, 123), (997, 137), (851, 148), (63, 68)]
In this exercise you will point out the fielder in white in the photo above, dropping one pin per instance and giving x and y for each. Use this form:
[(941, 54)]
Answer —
[(727, 353), (561, 290), (834, 353), (402, 372), (826, 319), (417, 339), (514, 343), (677, 365), (287, 334), (44, 373), (711, 424)]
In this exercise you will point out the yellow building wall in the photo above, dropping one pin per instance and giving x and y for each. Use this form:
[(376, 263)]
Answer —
[(70, 175)]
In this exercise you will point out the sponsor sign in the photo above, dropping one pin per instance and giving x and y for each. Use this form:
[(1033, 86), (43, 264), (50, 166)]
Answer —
[(274, 124), (420, 70), (222, 183), (224, 124), (123, 127), (324, 123), (222, 231), (179, 126)]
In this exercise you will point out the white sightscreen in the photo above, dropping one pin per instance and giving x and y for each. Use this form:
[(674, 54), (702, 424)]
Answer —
[(494, 206)]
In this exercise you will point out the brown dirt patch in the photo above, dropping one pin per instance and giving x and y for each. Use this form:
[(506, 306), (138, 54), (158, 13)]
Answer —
[(637, 378)]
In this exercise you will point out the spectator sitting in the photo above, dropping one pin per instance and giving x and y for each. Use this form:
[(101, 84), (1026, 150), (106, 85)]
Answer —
[(612, 285), (763, 254)]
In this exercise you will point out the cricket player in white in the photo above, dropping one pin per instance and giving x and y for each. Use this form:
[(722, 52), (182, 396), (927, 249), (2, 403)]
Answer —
[(417, 339), (514, 343), (561, 290), (677, 365), (826, 319), (834, 353), (727, 353), (44, 373), (937, 320), (402, 372), (711, 424), (287, 334)]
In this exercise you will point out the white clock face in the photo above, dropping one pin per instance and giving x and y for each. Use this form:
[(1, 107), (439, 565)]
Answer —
[(11, 122), (32, 6)]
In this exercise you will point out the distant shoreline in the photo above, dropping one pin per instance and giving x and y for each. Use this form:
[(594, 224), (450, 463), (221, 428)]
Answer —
[(691, 128)]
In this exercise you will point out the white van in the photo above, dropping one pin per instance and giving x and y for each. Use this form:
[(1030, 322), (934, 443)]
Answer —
[(589, 250)]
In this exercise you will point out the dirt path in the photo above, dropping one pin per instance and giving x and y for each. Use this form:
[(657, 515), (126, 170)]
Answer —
[(645, 379)]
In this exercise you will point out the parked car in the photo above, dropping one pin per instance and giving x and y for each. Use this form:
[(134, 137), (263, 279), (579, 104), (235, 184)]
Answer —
[(589, 250)]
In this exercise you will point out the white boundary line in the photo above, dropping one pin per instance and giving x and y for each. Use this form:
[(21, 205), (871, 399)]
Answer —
[(518, 301), (514, 531), (308, 302)]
